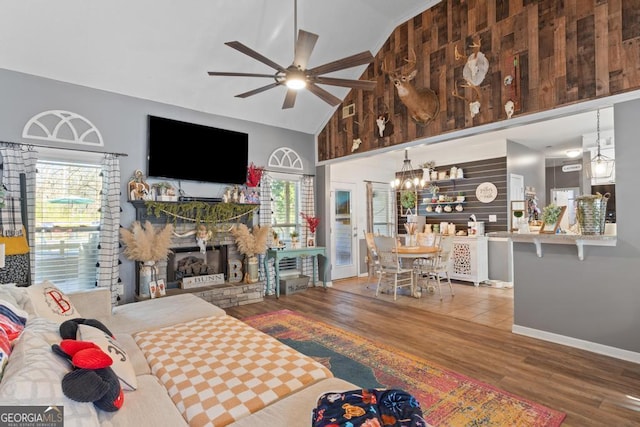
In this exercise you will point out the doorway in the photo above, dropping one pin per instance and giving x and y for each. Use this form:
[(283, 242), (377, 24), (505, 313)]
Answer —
[(344, 241)]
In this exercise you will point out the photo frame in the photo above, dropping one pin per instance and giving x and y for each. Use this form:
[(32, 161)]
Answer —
[(153, 288), (162, 288), (549, 228)]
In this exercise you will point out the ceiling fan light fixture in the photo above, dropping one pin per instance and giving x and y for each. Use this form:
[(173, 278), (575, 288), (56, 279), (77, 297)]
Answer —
[(296, 83)]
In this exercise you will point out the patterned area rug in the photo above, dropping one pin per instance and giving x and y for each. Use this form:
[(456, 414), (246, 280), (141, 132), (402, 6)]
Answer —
[(446, 397)]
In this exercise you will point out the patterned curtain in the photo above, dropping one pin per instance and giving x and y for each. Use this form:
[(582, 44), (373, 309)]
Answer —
[(17, 160), (108, 274), (264, 217), (307, 202)]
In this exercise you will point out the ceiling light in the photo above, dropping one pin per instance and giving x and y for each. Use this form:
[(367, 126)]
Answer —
[(601, 165), (296, 79), (573, 153), (408, 177)]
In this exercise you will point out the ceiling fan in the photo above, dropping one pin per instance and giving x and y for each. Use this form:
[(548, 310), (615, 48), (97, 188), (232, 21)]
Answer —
[(296, 76)]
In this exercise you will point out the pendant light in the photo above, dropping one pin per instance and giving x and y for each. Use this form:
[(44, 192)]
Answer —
[(408, 177), (601, 165)]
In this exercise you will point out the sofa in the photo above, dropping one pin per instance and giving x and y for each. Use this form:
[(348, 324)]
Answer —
[(189, 361)]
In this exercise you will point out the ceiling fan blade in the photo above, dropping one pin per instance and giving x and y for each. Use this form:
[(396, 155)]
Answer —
[(289, 99), (255, 55), (323, 94), (222, 73), (256, 91), (355, 84), (340, 64), (304, 46)]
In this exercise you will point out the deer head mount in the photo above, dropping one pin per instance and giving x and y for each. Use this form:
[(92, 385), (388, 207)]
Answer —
[(422, 104)]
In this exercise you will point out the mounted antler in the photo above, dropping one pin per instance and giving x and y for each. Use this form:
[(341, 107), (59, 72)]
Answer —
[(474, 72)]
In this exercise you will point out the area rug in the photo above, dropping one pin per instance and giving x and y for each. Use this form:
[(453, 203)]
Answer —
[(446, 397)]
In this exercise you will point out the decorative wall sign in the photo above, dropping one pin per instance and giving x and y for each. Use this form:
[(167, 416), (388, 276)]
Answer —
[(486, 192)]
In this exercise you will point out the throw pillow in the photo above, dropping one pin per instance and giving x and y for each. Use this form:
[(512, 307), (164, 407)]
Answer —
[(12, 322), (122, 365), (51, 303)]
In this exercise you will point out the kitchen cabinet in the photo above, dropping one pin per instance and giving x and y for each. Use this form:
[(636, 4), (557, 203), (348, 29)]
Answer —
[(470, 261)]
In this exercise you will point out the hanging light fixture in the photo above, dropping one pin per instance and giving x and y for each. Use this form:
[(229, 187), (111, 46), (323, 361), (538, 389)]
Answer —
[(408, 177), (601, 165)]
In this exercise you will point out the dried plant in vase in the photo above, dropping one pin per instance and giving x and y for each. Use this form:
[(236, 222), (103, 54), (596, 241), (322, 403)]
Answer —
[(145, 243), (251, 243)]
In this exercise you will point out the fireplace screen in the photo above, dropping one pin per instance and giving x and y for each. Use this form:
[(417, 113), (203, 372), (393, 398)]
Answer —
[(189, 262)]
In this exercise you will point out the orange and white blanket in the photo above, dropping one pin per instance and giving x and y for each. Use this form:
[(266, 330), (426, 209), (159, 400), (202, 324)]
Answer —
[(219, 369)]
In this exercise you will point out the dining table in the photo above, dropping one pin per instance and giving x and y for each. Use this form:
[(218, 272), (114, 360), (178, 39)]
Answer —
[(414, 253)]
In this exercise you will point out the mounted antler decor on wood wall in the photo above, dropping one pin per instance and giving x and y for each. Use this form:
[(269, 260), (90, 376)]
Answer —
[(553, 55)]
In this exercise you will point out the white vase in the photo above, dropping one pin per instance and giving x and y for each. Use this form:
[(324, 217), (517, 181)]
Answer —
[(148, 273)]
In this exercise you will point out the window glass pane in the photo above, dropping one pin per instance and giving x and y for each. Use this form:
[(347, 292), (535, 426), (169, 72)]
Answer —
[(286, 215), (286, 207), (67, 221), (382, 223)]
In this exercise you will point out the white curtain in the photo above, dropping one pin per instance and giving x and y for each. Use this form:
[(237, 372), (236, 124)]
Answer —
[(307, 202), (108, 274)]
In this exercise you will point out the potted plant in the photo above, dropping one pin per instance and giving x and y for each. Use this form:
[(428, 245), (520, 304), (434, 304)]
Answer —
[(294, 238), (460, 197), (433, 189)]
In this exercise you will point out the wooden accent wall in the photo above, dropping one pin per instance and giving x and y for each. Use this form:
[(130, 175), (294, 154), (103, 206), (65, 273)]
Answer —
[(560, 52)]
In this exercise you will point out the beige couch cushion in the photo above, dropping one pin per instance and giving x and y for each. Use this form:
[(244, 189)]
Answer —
[(159, 312), (294, 410), (149, 405)]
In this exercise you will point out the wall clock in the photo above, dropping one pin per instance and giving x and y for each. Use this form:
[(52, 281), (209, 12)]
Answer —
[(486, 192)]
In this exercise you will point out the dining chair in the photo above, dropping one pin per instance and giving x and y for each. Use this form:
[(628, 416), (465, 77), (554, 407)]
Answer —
[(373, 260), (440, 265), (391, 265)]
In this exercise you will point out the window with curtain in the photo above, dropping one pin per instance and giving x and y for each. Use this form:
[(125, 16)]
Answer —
[(67, 221), (285, 206)]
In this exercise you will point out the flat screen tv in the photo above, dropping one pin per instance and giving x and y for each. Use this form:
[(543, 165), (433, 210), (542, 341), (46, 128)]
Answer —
[(181, 151)]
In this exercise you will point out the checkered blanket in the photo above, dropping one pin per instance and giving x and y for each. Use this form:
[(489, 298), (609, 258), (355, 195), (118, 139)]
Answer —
[(218, 369)]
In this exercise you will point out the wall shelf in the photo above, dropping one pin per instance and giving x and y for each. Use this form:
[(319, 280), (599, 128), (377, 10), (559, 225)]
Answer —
[(580, 241)]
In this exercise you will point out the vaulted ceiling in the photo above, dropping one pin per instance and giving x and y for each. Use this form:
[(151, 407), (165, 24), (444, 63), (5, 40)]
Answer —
[(161, 50)]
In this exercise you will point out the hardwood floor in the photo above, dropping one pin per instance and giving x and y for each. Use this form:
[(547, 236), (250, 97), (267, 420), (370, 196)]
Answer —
[(593, 390)]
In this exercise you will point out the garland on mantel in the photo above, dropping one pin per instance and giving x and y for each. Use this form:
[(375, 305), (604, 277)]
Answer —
[(202, 212)]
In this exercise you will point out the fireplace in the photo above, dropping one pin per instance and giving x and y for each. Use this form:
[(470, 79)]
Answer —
[(189, 262)]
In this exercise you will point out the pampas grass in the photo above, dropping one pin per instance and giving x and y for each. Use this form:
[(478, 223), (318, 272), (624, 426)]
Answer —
[(251, 243), (145, 243)]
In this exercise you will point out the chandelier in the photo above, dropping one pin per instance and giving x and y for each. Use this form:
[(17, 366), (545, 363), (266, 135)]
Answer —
[(601, 165), (408, 177)]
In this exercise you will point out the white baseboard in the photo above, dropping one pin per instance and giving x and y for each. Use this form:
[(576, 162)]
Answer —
[(577, 343)]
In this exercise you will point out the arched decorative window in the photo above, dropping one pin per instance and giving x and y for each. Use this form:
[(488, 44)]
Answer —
[(62, 126), (285, 158)]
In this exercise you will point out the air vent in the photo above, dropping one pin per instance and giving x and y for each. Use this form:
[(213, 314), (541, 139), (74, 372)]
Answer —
[(348, 110)]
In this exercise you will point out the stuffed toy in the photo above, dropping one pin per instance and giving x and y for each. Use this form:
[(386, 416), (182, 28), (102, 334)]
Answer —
[(92, 379)]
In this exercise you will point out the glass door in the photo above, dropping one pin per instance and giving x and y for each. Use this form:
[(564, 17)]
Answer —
[(343, 231)]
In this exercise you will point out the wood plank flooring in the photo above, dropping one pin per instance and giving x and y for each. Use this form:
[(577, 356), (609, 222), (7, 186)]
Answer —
[(593, 390)]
